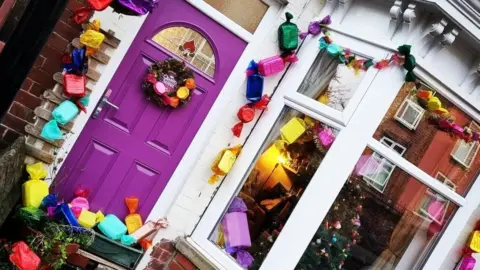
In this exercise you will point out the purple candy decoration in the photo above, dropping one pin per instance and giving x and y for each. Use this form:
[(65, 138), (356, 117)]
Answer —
[(140, 7), (244, 258), (315, 28), (237, 206)]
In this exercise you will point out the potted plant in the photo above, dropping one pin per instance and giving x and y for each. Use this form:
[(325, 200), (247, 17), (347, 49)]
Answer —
[(55, 242)]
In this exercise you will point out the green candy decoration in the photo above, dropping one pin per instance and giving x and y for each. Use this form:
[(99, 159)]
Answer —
[(410, 62), (288, 35)]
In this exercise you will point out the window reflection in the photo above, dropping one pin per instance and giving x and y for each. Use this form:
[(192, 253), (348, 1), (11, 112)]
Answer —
[(365, 229)]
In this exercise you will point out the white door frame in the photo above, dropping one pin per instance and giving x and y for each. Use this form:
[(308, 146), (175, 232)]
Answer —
[(128, 28), (353, 138)]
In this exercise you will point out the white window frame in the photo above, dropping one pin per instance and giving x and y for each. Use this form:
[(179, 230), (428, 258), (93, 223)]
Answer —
[(431, 195), (233, 26), (356, 133), (410, 104), (472, 146), (372, 181)]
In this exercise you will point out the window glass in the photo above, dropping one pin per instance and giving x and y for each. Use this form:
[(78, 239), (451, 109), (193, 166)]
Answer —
[(246, 13), (189, 45), (331, 82), (289, 158), (412, 123), (365, 229)]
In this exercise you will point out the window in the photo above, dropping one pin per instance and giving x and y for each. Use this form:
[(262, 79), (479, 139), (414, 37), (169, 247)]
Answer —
[(465, 152), (361, 229), (189, 45), (330, 82), (291, 155), (434, 206), (409, 113), (246, 13), (377, 170), (431, 148)]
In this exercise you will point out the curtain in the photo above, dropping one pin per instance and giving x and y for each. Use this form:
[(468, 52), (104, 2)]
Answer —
[(401, 237), (319, 76)]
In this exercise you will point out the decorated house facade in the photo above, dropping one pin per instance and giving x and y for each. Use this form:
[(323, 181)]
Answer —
[(284, 134)]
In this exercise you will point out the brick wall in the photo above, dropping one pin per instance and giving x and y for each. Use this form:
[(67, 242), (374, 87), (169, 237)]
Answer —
[(40, 77), (164, 256)]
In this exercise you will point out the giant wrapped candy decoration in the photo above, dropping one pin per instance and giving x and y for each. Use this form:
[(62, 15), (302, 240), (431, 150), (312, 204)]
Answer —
[(63, 114), (135, 7), (92, 39), (293, 129), (315, 28), (35, 189), (247, 113), (288, 35), (82, 14), (237, 233), (74, 85), (133, 220), (64, 213), (224, 162), (112, 227), (254, 82), (468, 263), (275, 64), (23, 257)]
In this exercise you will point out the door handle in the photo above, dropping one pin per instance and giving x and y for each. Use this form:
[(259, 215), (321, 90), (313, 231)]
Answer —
[(104, 101)]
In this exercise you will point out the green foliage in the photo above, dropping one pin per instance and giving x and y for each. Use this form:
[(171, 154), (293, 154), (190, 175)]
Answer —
[(51, 243)]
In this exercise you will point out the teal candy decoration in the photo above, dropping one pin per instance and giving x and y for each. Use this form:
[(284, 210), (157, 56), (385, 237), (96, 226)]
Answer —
[(65, 112), (85, 101), (112, 227), (333, 50), (323, 44), (288, 35), (51, 131), (128, 240)]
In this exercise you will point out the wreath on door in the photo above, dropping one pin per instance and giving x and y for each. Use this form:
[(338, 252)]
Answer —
[(169, 83)]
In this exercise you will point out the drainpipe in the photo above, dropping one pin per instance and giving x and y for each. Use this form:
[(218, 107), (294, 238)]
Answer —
[(24, 45)]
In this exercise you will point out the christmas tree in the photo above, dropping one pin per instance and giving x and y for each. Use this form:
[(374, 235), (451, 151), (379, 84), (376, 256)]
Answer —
[(331, 244)]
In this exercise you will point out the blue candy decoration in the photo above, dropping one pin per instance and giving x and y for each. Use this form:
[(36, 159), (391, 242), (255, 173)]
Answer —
[(254, 82)]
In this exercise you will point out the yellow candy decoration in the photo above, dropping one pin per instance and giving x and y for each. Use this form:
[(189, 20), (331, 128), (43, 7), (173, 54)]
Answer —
[(92, 38), (35, 189), (95, 25), (474, 241), (434, 104), (323, 99), (292, 130), (183, 92), (87, 219), (224, 162)]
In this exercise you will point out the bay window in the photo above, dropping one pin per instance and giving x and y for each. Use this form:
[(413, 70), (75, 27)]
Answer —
[(340, 173)]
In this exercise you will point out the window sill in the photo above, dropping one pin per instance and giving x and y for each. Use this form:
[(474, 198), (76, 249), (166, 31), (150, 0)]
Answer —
[(193, 253)]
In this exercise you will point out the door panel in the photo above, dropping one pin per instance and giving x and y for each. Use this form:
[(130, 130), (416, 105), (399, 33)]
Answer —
[(134, 151)]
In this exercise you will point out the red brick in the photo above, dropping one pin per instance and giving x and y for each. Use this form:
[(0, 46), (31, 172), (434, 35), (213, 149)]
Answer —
[(75, 4), (184, 262), (67, 18), (27, 99), (39, 61), (173, 265), (37, 89), (167, 245), (157, 265), (41, 77), (22, 112), (14, 123), (27, 84), (11, 135), (66, 31), (57, 42), (156, 251), (52, 66), (51, 53)]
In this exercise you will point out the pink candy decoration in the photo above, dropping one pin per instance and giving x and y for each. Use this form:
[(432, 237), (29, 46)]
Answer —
[(80, 202), (275, 64), (236, 226), (458, 130), (159, 88), (326, 137), (468, 263)]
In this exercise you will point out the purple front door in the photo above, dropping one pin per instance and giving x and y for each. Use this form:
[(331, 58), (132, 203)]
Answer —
[(134, 151)]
